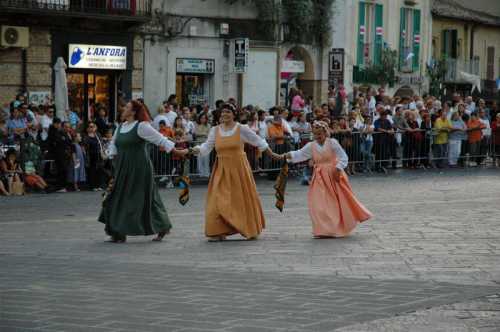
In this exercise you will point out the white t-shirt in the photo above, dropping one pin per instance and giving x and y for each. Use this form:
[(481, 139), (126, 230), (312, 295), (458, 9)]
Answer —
[(45, 123), (169, 119), (368, 137), (487, 129)]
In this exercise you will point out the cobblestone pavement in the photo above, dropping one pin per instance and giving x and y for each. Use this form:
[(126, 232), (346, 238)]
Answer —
[(428, 261)]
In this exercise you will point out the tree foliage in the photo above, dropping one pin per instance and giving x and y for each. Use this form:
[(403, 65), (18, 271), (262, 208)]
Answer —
[(385, 71), (436, 71), (307, 21)]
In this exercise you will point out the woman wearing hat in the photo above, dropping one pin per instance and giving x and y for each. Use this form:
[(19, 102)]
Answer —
[(233, 205), (333, 208)]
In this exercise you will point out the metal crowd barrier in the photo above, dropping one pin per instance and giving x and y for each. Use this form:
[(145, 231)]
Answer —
[(378, 152), (408, 149)]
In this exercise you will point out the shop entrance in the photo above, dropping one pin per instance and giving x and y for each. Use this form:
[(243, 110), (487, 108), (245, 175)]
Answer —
[(192, 89), (86, 91)]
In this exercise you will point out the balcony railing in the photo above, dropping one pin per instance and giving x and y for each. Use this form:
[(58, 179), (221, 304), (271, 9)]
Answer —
[(457, 66), (133, 10)]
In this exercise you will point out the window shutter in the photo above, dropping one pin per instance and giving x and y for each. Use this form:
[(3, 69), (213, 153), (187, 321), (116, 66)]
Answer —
[(379, 33), (490, 63), (416, 39), (361, 33), (445, 47), (454, 43), (402, 38)]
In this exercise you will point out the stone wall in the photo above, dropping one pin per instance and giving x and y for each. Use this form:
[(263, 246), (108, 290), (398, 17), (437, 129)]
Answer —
[(137, 73), (39, 69)]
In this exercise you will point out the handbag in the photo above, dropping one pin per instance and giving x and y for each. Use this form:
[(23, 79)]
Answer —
[(102, 152), (17, 188)]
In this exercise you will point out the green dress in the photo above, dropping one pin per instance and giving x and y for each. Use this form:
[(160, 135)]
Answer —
[(134, 206)]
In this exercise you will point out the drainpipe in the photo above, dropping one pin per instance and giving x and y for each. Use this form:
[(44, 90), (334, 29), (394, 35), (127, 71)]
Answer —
[(472, 41), (24, 71)]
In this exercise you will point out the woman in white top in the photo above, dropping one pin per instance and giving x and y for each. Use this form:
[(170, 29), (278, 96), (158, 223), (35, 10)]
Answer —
[(133, 205), (333, 208), (233, 205)]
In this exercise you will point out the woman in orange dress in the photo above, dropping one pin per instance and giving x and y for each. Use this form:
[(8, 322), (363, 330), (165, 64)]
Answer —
[(233, 205), (333, 208)]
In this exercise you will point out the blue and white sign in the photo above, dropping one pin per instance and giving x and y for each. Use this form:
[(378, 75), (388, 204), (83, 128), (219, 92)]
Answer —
[(97, 57), (195, 66)]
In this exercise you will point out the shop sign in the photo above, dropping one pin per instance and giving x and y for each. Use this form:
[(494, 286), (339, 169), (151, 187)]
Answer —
[(97, 56), (137, 95), (39, 97), (195, 66), (197, 99), (239, 54), (336, 67), (292, 66)]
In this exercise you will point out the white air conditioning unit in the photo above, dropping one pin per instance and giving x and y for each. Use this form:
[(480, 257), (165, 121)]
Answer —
[(13, 36)]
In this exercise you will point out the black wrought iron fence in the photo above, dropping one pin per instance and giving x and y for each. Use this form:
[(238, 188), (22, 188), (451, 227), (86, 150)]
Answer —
[(132, 8)]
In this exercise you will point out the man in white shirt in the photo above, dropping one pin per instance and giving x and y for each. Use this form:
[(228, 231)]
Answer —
[(187, 123), (166, 114), (262, 123), (470, 105), (372, 103), (46, 122), (284, 122), (486, 139), (418, 113)]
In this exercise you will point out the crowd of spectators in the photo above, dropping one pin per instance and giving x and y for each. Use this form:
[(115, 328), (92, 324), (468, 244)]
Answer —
[(36, 145), (377, 131)]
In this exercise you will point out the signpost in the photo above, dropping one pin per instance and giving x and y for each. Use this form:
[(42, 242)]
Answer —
[(336, 67), (239, 55), (291, 66)]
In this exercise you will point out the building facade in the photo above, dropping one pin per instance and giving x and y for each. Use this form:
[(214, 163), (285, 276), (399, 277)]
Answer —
[(365, 28), (191, 46), (97, 41), (467, 37)]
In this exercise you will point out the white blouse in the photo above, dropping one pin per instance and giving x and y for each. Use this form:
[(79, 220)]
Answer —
[(247, 135), (146, 132), (306, 153)]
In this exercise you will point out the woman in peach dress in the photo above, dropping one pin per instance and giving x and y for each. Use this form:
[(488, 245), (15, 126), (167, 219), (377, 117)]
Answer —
[(333, 208), (233, 205)]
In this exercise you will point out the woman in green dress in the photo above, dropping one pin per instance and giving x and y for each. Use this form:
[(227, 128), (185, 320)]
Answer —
[(133, 206)]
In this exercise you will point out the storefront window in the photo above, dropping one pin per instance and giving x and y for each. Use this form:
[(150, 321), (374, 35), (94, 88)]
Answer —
[(76, 93), (86, 91), (192, 89)]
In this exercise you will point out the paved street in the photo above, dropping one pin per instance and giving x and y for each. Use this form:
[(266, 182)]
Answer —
[(428, 261)]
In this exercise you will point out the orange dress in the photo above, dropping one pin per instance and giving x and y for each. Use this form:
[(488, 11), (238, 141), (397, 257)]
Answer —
[(333, 208), (233, 205)]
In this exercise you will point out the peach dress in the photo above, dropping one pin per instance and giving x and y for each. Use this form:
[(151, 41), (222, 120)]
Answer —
[(333, 208), (233, 205)]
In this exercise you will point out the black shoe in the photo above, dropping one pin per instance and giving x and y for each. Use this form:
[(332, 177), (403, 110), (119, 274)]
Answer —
[(118, 239)]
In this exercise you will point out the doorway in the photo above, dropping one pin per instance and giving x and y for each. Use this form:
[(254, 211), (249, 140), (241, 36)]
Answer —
[(193, 89), (86, 91)]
